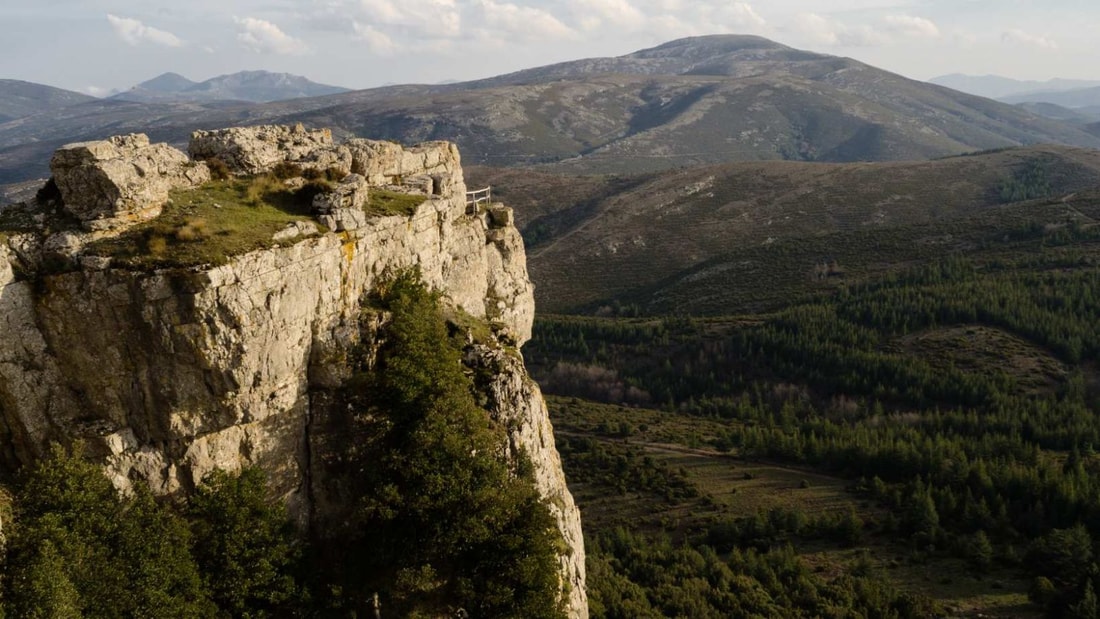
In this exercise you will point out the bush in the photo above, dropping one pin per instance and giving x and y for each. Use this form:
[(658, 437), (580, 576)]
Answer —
[(260, 187), (244, 545), (194, 229), (219, 171), (310, 190), (285, 170)]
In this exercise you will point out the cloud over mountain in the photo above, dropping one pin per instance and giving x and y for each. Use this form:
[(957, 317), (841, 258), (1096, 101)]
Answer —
[(1016, 36), (264, 37), (134, 32)]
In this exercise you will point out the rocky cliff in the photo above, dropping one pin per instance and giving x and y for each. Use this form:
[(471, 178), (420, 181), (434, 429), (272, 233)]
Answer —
[(167, 374)]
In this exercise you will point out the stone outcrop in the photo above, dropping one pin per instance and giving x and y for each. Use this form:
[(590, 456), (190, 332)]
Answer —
[(255, 150), (121, 181), (342, 208), (516, 400), (169, 375)]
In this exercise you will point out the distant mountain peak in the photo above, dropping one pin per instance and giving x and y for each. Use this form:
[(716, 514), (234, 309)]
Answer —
[(728, 55), (166, 82), (256, 86), (713, 43)]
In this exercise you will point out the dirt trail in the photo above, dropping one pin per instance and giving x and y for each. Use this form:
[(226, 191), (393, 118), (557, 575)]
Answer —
[(694, 451)]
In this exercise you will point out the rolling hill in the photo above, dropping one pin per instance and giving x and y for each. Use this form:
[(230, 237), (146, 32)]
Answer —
[(744, 234), (693, 101), (19, 99)]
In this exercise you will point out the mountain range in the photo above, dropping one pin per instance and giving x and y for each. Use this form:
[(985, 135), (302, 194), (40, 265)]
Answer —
[(998, 87), (693, 101), (1076, 101), (1077, 98)]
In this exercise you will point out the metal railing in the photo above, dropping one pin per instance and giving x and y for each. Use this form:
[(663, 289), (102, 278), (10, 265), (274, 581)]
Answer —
[(474, 198)]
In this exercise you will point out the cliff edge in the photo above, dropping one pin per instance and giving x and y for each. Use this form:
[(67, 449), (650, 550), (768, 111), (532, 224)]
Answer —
[(169, 362)]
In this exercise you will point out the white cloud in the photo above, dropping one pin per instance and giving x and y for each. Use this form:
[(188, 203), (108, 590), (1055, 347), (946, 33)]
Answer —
[(666, 19), (134, 32), (1019, 37), (520, 22), (377, 41), (422, 18), (592, 14), (739, 15), (909, 26), (263, 37), (827, 31)]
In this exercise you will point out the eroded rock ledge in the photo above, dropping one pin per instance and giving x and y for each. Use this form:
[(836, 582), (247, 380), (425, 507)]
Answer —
[(170, 374)]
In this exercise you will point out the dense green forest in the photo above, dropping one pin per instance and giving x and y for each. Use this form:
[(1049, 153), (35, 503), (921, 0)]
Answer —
[(437, 521), (950, 408)]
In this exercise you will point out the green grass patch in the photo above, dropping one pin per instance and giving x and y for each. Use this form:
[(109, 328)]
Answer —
[(384, 202), (210, 224)]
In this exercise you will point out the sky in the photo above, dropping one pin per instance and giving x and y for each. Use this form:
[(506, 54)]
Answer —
[(97, 46)]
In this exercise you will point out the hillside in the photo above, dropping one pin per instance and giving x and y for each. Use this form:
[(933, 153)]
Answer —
[(689, 102), (1075, 98), (708, 238), (252, 86), (696, 101), (19, 99)]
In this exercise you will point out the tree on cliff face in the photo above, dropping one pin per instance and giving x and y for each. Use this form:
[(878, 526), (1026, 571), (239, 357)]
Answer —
[(444, 521), (80, 550), (244, 544)]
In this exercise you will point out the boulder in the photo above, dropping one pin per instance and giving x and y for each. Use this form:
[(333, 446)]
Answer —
[(501, 216), (342, 208), (387, 163), (256, 150), (121, 181)]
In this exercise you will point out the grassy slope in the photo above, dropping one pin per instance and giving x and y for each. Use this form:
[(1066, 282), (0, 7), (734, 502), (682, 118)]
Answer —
[(221, 219), (206, 225)]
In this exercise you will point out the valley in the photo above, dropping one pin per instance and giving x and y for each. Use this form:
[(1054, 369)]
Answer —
[(927, 431), (816, 339)]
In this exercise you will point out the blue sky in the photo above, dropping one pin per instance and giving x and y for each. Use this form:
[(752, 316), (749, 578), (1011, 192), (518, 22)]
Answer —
[(95, 46)]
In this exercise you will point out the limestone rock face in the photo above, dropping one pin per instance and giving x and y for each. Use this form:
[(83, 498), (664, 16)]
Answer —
[(255, 150), (342, 208), (516, 401), (121, 181), (171, 374)]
